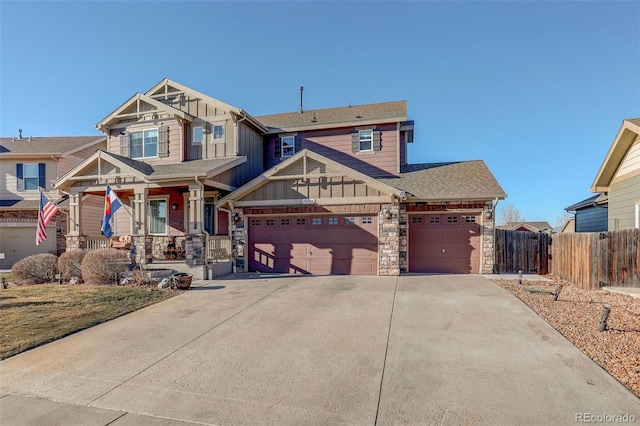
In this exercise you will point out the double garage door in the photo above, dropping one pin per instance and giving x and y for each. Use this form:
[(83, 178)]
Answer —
[(444, 243), (314, 244)]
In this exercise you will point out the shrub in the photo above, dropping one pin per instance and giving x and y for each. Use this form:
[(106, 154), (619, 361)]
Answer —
[(36, 269), (101, 266), (70, 264)]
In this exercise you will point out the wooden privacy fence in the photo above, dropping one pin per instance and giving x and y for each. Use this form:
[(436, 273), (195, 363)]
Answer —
[(595, 259), (526, 251)]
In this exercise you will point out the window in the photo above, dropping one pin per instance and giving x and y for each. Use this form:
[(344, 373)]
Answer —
[(316, 221), (285, 222), (288, 146), (333, 221), (434, 219), (30, 177), (144, 143), (218, 131), (452, 219), (366, 220), (349, 220), (270, 222), (198, 134), (470, 219), (157, 216), (255, 222), (301, 222), (365, 138), (416, 219)]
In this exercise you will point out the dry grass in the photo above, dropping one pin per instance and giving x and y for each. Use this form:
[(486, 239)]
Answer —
[(577, 313), (34, 315)]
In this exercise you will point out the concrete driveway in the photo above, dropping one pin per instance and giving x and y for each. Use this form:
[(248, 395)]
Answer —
[(315, 350)]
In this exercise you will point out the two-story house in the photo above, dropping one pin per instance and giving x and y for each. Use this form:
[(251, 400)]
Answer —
[(619, 178), (327, 191), (30, 165)]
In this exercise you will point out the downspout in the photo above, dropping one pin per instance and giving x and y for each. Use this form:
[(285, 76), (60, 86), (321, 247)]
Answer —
[(201, 185), (236, 136)]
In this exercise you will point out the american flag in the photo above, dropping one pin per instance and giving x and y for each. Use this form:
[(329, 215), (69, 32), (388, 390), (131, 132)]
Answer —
[(46, 212)]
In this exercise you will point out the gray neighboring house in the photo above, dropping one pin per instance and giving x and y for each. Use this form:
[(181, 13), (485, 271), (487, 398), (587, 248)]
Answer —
[(590, 215)]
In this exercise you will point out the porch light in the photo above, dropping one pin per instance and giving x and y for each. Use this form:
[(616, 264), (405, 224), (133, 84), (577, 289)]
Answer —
[(174, 206)]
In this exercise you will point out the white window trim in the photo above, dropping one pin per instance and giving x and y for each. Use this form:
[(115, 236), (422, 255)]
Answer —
[(360, 132), (213, 132), (157, 129), (193, 135), (292, 146), (164, 198), (24, 177)]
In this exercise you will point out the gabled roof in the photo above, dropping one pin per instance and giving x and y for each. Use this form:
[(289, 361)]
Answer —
[(465, 180), (46, 146), (600, 200), (281, 170), (207, 168), (629, 131), (531, 226), (136, 99), (166, 87), (357, 115)]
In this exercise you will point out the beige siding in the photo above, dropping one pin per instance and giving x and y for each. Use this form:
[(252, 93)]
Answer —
[(631, 161), (92, 213), (312, 188), (69, 162), (122, 220), (9, 180), (623, 196)]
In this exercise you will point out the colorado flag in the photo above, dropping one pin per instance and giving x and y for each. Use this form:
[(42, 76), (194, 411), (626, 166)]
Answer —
[(111, 204)]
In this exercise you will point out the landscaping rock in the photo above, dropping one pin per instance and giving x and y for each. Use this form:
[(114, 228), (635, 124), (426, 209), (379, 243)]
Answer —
[(165, 284)]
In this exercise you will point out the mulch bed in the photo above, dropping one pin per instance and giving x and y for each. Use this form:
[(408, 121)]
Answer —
[(576, 315)]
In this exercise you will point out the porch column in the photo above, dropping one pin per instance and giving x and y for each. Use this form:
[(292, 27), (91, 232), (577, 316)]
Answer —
[(141, 243), (196, 209), (75, 237)]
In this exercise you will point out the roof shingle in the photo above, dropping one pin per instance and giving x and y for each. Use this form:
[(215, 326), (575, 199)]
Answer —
[(47, 145)]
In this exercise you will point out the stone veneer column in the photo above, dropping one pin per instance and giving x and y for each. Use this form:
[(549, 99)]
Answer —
[(141, 249), (389, 239), (488, 239), (239, 242)]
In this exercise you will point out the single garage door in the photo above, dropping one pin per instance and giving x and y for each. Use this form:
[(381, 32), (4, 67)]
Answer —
[(444, 243), (323, 245), (18, 242)]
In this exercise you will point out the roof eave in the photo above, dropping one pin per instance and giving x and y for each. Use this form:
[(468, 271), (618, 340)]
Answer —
[(276, 130), (623, 141)]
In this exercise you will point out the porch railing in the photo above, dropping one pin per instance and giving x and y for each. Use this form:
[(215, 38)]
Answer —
[(96, 243), (218, 247)]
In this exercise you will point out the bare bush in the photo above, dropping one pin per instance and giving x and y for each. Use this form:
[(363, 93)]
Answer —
[(36, 269), (141, 279), (70, 264), (104, 266)]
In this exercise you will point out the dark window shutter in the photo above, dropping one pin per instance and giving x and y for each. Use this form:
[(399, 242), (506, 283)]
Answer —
[(163, 141), (298, 144), (278, 144), (355, 141), (42, 176), (20, 176), (377, 140), (124, 144)]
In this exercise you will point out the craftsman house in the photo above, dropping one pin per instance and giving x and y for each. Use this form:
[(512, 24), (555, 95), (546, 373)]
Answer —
[(30, 165), (619, 178), (327, 191)]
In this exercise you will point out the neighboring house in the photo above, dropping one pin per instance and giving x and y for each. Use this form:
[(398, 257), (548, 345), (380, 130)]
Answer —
[(619, 178), (326, 191), (29, 165), (590, 215), (527, 227), (569, 227)]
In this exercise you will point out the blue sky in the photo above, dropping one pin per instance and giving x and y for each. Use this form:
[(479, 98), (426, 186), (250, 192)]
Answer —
[(538, 90)]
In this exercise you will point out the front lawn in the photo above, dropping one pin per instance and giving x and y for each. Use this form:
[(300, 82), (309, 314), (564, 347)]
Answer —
[(37, 314)]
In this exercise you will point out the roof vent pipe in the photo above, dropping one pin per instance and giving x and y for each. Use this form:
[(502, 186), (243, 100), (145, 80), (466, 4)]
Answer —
[(301, 89), (19, 133)]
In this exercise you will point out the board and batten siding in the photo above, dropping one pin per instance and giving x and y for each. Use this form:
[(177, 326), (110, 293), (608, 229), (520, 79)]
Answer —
[(9, 179), (623, 197), (336, 144), (250, 145)]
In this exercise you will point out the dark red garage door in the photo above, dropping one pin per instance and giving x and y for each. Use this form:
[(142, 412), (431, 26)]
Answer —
[(444, 243), (323, 245)]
